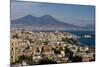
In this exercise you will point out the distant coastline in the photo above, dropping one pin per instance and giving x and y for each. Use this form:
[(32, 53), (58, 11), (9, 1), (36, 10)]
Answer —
[(83, 41), (79, 33)]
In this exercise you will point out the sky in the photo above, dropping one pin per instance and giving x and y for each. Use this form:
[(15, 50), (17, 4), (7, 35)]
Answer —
[(79, 15)]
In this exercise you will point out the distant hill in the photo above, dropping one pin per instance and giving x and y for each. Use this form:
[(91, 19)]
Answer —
[(90, 26), (45, 22)]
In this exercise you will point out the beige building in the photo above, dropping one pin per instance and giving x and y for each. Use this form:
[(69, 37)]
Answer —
[(17, 46), (13, 50)]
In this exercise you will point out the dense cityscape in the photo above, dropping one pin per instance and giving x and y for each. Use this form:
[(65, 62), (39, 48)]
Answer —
[(47, 33), (36, 48)]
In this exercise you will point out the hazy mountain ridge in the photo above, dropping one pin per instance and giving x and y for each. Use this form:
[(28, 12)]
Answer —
[(45, 22)]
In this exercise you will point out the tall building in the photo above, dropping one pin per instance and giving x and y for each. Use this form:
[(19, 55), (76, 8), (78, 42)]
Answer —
[(13, 48)]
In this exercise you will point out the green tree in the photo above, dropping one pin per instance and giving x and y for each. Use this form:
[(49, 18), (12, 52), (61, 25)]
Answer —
[(47, 61)]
